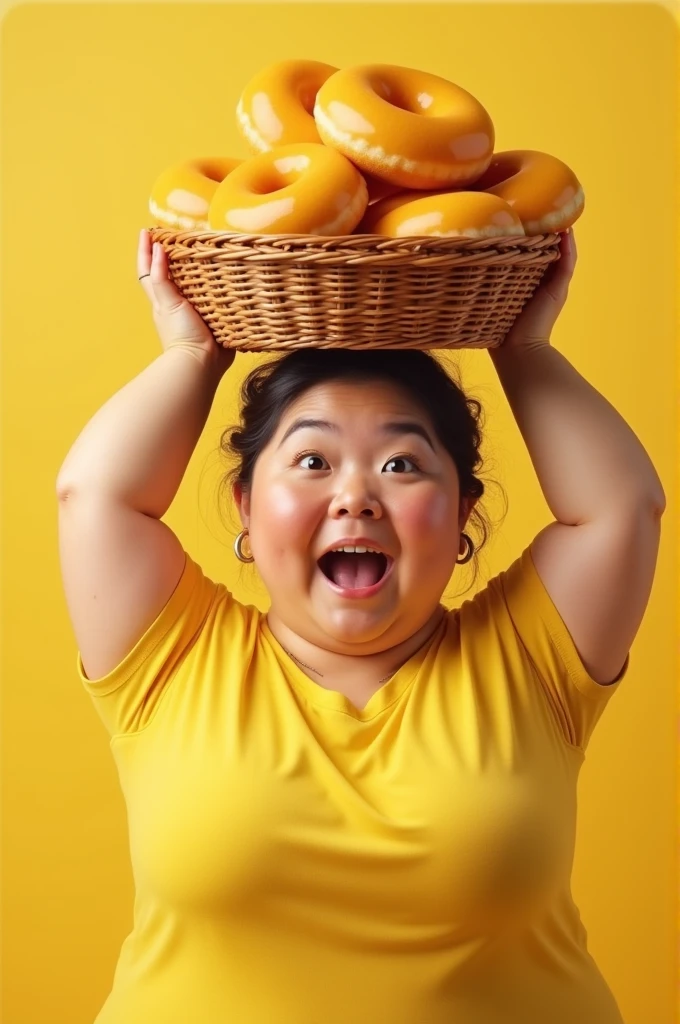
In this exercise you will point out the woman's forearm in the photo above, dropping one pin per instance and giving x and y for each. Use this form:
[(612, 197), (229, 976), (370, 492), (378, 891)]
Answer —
[(589, 463), (137, 446)]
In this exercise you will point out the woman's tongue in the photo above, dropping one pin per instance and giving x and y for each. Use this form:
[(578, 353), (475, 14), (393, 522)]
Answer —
[(353, 572)]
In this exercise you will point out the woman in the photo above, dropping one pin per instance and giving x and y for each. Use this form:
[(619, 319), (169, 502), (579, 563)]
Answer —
[(359, 806)]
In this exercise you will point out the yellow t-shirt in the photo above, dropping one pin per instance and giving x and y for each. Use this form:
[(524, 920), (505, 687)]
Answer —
[(299, 861)]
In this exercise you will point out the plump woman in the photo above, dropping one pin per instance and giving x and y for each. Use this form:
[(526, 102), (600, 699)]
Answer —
[(359, 806)]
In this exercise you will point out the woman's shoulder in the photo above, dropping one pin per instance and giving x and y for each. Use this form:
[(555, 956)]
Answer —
[(201, 623), (511, 627)]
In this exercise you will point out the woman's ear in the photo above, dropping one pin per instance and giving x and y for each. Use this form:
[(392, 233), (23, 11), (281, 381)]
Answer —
[(466, 507), (241, 495)]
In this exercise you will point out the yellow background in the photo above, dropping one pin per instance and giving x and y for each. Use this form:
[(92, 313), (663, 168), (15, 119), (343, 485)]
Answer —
[(96, 101)]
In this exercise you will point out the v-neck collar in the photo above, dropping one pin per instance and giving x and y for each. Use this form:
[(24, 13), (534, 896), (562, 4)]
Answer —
[(386, 694)]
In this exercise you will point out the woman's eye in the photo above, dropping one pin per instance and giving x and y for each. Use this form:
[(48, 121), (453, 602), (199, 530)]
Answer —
[(313, 462), (400, 465)]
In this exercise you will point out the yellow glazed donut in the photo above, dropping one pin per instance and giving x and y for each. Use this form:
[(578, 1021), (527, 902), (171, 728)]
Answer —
[(276, 107), (181, 195), (407, 127), (542, 190), (305, 189), (442, 214)]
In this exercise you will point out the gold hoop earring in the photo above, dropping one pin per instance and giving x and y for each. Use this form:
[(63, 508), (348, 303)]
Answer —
[(238, 547), (469, 552)]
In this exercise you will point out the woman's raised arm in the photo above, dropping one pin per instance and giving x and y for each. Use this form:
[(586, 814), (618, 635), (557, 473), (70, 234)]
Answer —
[(597, 559), (120, 563)]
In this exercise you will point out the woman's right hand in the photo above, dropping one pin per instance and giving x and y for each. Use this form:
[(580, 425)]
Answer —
[(178, 324)]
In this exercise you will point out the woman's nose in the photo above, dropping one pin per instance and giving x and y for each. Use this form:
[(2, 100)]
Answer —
[(354, 500)]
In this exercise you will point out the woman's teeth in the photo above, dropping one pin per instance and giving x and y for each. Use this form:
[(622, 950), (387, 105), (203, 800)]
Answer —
[(354, 550)]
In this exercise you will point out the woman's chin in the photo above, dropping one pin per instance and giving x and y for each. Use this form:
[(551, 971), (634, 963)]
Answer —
[(350, 616), (354, 626)]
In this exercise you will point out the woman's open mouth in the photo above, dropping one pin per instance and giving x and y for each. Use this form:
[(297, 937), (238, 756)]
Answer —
[(355, 571)]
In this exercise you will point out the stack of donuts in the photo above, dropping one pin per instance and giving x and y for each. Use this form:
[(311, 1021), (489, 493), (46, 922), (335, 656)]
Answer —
[(375, 149)]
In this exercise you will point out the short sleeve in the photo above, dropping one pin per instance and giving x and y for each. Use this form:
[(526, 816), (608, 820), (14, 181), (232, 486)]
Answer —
[(578, 699), (127, 697)]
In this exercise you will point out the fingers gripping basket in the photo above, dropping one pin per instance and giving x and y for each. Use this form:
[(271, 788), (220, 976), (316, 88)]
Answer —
[(282, 292)]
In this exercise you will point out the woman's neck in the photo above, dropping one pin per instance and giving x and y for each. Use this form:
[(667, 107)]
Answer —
[(359, 673)]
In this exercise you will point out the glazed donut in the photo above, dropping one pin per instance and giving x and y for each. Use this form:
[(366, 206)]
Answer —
[(298, 189), (276, 107), (407, 127), (542, 190), (181, 195), (442, 214)]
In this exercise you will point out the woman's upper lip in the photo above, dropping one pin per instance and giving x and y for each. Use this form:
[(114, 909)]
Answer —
[(357, 542)]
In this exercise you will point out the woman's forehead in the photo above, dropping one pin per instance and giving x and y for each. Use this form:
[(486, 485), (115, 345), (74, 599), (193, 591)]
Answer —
[(345, 400)]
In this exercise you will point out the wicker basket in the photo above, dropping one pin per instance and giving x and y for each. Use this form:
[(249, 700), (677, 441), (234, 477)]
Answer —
[(282, 292)]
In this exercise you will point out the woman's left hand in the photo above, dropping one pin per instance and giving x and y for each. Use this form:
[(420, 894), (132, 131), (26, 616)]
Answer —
[(535, 323)]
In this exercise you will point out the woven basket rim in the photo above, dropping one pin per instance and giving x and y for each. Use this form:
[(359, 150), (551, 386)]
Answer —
[(363, 243)]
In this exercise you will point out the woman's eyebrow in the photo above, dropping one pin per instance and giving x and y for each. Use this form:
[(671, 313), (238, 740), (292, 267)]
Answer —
[(302, 423), (407, 427)]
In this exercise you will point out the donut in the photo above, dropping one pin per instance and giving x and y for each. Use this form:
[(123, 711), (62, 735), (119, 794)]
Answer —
[(405, 126), (542, 190), (181, 195), (304, 188), (276, 107), (442, 214)]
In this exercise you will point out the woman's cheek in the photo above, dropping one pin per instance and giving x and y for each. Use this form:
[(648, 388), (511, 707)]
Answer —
[(280, 504), (427, 514), (283, 520)]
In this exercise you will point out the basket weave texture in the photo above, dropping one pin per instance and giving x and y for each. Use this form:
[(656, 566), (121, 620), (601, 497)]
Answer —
[(283, 292)]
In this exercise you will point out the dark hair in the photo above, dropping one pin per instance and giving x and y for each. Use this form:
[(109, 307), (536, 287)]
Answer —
[(272, 387)]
